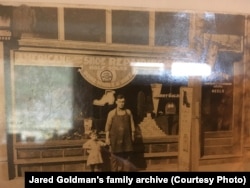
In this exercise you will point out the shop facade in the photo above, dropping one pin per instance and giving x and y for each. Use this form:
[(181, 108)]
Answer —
[(62, 68)]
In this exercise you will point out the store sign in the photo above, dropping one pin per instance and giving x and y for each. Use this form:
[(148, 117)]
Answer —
[(116, 72), (105, 72)]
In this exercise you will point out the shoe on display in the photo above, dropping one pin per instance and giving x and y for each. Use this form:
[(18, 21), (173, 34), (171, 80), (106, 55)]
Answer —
[(107, 98)]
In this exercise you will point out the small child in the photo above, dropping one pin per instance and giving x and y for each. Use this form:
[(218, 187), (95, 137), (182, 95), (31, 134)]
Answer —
[(93, 147)]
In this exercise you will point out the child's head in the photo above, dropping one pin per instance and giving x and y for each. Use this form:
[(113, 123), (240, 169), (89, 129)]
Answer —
[(93, 135)]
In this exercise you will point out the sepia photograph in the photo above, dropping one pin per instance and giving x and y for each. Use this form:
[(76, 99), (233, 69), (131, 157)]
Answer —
[(88, 88)]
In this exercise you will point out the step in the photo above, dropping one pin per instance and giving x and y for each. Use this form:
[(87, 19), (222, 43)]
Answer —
[(218, 134), (218, 141), (220, 159), (218, 150)]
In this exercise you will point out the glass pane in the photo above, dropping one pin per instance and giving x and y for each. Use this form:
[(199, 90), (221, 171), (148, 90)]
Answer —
[(85, 24), (35, 22), (46, 23), (171, 29), (130, 27), (224, 24)]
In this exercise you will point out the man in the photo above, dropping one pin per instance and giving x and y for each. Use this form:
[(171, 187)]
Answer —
[(120, 130)]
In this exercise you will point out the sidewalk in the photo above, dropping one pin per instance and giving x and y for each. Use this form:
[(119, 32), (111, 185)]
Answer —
[(225, 167), (15, 183)]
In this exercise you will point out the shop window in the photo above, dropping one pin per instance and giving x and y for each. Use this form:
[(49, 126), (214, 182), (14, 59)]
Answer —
[(43, 102), (130, 27), (217, 111), (171, 29), (222, 24), (46, 22), (35, 22), (218, 93), (57, 103), (85, 25)]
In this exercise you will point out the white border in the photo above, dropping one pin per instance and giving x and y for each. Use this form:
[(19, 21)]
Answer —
[(224, 6)]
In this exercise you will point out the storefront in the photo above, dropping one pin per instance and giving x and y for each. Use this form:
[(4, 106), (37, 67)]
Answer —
[(64, 66)]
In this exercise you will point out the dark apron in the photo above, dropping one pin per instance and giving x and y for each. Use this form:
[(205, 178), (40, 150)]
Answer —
[(120, 134)]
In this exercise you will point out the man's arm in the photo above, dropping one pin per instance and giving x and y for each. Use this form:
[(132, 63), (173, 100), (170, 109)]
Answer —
[(108, 126), (107, 138), (132, 125)]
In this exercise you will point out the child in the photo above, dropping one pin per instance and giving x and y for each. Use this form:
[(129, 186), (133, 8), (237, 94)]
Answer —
[(93, 147)]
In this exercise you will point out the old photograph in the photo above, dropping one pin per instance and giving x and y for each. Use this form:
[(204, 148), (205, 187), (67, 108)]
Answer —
[(107, 89)]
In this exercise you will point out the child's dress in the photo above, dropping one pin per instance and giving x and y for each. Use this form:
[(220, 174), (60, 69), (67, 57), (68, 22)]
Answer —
[(94, 149)]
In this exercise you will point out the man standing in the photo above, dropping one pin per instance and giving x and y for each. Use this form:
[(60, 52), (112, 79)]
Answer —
[(120, 130)]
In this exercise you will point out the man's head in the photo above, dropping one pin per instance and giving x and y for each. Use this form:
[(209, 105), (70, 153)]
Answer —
[(120, 101)]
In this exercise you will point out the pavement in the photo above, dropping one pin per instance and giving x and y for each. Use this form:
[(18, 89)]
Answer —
[(224, 167), (14, 183)]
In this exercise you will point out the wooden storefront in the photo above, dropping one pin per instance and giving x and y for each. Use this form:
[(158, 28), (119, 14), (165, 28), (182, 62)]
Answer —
[(49, 93)]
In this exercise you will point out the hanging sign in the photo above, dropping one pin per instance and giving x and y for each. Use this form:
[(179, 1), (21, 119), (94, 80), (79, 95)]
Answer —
[(107, 72)]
